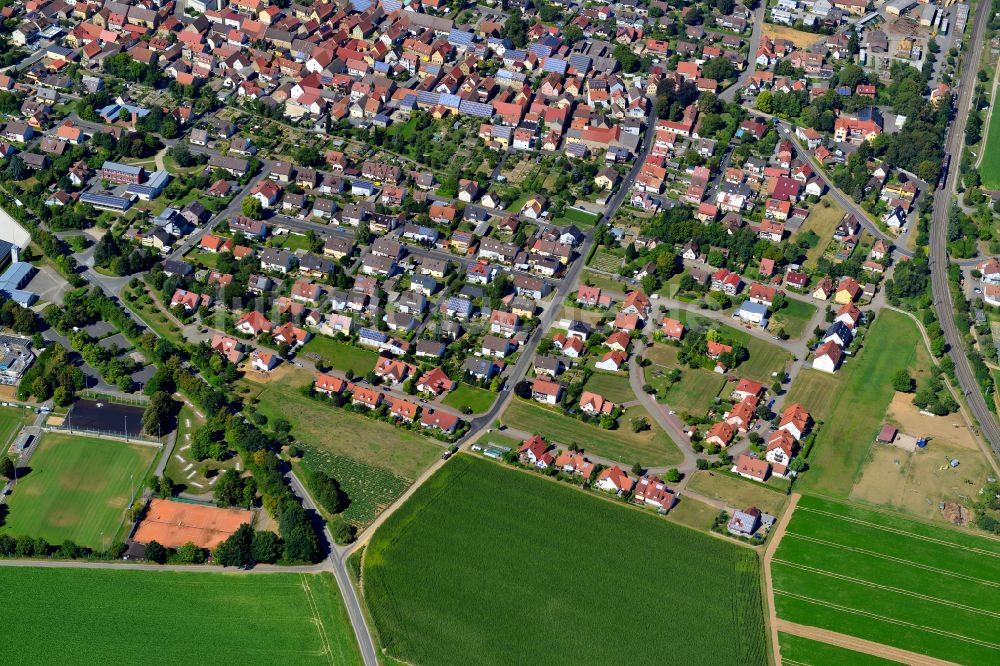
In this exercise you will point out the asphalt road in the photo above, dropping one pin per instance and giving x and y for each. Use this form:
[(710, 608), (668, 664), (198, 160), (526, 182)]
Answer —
[(939, 237)]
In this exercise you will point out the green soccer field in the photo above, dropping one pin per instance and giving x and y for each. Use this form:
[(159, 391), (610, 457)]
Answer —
[(924, 588), (482, 555), (165, 617), (78, 489)]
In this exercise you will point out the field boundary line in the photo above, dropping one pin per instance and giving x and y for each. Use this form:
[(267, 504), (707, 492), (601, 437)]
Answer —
[(892, 558), (893, 530), (769, 550), (862, 645), (888, 588), (317, 618), (900, 515), (889, 620)]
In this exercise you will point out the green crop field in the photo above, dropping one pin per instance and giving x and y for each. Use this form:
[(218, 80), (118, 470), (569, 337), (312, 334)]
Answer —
[(342, 355), (78, 489), (477, 399), (174, 617), (815, 389), (502, 571), (614, 387), (878, 576), (652, 447), (765, 358), (892, 344), (989, 168), (798, 651)]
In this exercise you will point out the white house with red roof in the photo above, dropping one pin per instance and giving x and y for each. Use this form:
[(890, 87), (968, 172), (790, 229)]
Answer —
[(752, 468), (614, 480)]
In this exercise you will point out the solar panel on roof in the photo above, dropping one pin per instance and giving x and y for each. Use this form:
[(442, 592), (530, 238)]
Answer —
[(580, 63), (392, 5), (361, 5), (554, 65), (477, 109), (451, 101), (427, 97), (540, 50)]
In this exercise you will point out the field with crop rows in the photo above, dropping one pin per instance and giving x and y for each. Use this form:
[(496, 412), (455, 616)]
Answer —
[(924, 588), (799, 651), (480, 566), (370, 488), (93, 616)]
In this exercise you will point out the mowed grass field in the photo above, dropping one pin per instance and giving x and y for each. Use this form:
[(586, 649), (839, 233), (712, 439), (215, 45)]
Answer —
[(856, 411), (186, 617), (78, 489), (511, 587), (823, 222), (878, 576), (799, 651), (614, 387), (477, 399), (793, 318), (738, 493), (12, 419), (652, 447), (342, 355), (989, 168), (374, 461)]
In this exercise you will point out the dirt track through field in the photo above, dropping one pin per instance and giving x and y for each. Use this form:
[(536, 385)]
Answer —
[(883, 528), (857, 644), (898, 560), (775, 538)]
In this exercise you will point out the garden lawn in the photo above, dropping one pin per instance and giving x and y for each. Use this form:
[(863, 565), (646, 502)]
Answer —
[(12, 419), (488, 533), (652, 448), (799, 651), (78, 489), (989, 168), (857, 410), (191, 616), (342, 355), (374, 461), (476, 399), (888, 579), (613, 387)]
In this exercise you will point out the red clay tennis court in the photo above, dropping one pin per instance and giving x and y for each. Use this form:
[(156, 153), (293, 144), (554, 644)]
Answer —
[(174, 524)]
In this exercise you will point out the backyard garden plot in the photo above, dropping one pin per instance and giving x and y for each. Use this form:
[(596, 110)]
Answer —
[(488, 538), (198, 617), (879, 577), (369, 488), (78, 489), (605, 261)]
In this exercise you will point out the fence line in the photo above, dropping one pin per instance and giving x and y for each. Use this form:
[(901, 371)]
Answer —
[(90, 394), (106, 434)]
